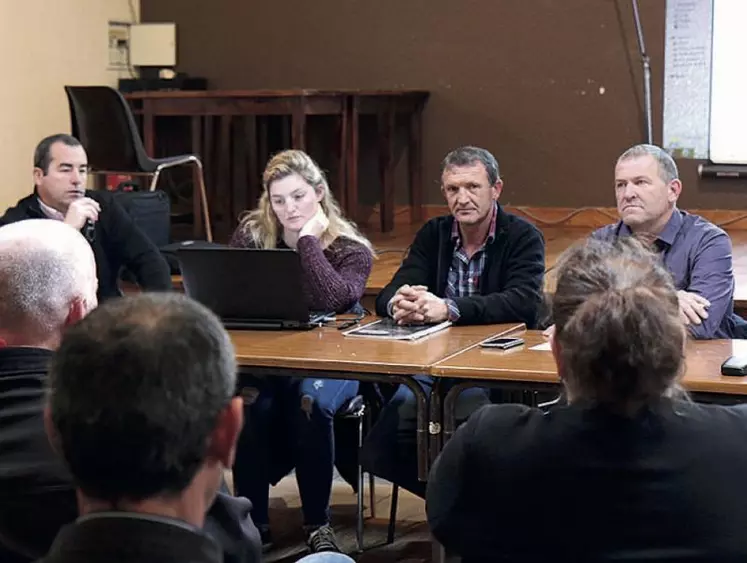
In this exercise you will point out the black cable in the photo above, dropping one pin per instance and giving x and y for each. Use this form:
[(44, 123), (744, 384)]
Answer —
[(133, 13), (646, 61)]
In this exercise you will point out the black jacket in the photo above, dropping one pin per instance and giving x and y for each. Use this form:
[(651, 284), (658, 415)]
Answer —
[(31, 475), (37, 495), (583, 484), (512, 282), (117, 243), (130, 538)]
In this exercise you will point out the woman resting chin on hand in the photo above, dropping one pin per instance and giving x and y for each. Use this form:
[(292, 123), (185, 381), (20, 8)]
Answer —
[(292, 419)]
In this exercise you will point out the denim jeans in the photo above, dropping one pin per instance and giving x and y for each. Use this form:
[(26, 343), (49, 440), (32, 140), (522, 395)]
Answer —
[(289, 423), (326, 558), (390, 449)]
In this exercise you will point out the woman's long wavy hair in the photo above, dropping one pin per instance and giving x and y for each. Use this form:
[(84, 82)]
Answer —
[(262, 225), (617, 326)]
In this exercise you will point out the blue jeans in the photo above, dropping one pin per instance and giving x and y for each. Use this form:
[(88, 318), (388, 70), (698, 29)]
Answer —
[(289, 423), (326, 558), (390, 449)]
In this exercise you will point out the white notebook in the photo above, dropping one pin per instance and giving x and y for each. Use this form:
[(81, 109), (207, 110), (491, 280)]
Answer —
[(388, 329)]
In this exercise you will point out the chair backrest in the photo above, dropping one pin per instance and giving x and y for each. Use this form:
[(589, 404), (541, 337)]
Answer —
[(102, 121)]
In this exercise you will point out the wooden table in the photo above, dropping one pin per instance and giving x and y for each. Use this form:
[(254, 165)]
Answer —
[(535, 369), (347, 104), (326, 353), (387, 106), (224, 105)]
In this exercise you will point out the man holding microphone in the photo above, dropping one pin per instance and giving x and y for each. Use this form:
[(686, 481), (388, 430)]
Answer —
[(60, 173)]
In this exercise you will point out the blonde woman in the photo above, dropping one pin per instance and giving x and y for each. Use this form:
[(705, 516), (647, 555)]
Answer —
[(292, 420)]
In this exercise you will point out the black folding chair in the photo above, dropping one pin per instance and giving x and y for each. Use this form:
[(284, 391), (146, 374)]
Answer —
[(103, 123)]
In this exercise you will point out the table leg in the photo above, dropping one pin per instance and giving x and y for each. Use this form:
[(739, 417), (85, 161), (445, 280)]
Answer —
[(421, 427), (386, 167), (341, 187), (352, 155), (263, 142), (254, 172), (224, 175), (435, 424), (449, 410), (298, 133), (286, 128), (149, 130), (415, 166)]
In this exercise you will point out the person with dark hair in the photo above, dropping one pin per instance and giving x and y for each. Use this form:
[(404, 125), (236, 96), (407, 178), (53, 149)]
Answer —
[(630, 469), (60, 173), (478, 265), (695, 251), (142, 409)]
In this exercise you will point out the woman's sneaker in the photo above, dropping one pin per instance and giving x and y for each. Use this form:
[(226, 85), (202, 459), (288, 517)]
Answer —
[(322, 539)]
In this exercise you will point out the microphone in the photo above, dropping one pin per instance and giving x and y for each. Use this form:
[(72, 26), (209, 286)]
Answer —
[(89, 231)]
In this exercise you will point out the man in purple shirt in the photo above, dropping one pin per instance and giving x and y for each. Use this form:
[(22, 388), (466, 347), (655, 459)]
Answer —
[(696, 252)]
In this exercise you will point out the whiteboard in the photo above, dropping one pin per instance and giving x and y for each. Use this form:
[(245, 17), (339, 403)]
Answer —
[(687, 77), (728, 108)]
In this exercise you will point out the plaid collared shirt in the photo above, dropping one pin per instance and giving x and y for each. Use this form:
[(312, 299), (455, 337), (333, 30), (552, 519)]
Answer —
[(465, 272)]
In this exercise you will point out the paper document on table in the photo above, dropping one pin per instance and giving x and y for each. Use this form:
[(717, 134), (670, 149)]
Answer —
[(545, 346)]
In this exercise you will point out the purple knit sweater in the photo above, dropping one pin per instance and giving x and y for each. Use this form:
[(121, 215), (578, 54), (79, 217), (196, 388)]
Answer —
[(334, 278)]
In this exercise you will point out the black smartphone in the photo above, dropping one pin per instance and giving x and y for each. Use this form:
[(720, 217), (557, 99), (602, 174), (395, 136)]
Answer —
[(503, 342), (735, 366)]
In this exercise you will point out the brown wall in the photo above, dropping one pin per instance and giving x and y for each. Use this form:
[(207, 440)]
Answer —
[(519, 77)]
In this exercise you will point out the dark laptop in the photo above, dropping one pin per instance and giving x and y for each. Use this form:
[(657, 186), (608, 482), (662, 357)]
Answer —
[(248, 288)]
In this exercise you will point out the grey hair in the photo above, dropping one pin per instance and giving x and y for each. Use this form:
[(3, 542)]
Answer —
[(467, 156), (667, 167), (43, 268)]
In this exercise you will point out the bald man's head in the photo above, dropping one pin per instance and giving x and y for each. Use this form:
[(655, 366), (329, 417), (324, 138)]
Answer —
[(47, 281)]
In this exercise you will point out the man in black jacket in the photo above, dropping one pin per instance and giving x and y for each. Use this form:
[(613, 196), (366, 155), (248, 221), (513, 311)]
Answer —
[(48, 284), (479, 265), (60, 171), (157, 375)]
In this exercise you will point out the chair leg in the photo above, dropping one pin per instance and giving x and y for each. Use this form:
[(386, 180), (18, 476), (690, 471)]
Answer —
[(371, 477), (204, 200), (201, 187), (359, 514), (154, 180), (392, 514)]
